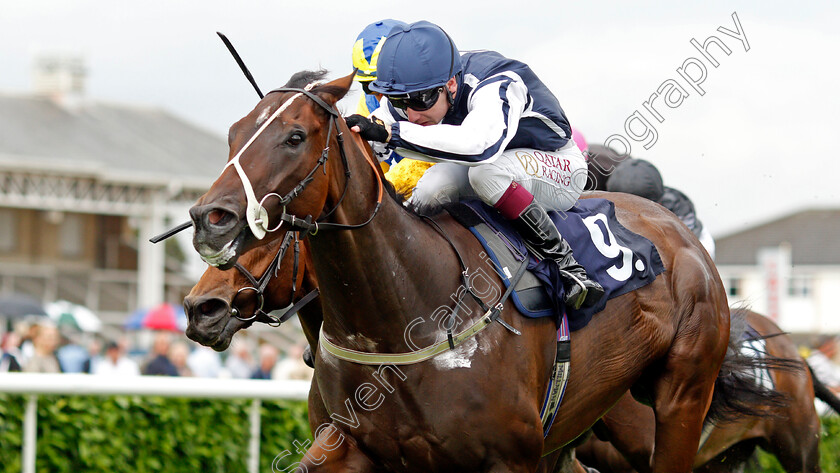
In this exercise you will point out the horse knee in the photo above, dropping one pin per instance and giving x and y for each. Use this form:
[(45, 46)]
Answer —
[(332, 451)]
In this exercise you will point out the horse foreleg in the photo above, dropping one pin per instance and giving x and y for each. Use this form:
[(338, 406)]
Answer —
[(797, 451), (680, 407), (794, 439), (733, 460), (332, 451), (629, 428), (682, 395)]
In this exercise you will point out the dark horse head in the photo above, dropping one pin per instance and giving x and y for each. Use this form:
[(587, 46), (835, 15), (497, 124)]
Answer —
[(283, 144), (267, 278)]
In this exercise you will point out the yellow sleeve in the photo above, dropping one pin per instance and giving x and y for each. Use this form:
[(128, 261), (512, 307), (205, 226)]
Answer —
[(405, 174), (362, 108)]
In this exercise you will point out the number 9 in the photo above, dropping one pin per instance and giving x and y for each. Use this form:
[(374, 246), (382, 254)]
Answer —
[(610, 249)]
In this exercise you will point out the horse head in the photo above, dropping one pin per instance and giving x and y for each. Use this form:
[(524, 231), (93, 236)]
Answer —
[(267, 278), (277, 170)]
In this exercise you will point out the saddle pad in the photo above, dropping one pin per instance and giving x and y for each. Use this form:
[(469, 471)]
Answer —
[(620, 260)]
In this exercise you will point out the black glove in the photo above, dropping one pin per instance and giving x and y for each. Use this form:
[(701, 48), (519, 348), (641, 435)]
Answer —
[(369, 129)]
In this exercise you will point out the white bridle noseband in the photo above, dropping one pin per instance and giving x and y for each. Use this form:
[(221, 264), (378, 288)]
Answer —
[(256, 214)]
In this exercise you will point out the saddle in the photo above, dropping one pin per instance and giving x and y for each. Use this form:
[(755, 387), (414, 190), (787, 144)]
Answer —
[(620, 260)]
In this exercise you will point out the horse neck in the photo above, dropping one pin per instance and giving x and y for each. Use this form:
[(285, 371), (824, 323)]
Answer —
[(370, 277)]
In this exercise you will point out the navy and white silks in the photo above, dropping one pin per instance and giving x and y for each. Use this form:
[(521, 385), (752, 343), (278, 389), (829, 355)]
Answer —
[(505, 125)]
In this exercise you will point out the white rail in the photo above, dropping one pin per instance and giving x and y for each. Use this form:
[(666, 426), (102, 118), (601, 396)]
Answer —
[(35, 384)]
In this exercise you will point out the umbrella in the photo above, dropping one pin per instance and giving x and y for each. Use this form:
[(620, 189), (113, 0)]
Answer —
[(79, 317), (18, 306), (162, 317)]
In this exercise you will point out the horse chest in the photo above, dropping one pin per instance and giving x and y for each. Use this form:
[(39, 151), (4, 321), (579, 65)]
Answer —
[(402, 418)]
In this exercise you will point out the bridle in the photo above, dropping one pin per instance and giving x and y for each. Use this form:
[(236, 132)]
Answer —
[(256, 214), (298, 228), (258, 286)]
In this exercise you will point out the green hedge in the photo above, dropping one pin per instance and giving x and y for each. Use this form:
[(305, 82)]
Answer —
[(148, 434), (764, 462), (153, 434)]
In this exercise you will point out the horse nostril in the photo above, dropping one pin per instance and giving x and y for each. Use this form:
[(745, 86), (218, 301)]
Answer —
[(213, 308), (204, 216), (198, 309), (215, 216)]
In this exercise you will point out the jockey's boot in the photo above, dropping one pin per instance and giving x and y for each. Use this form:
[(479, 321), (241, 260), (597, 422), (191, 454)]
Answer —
[(542, 237)]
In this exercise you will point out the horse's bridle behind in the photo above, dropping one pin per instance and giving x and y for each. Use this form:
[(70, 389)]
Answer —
[(258, 286)]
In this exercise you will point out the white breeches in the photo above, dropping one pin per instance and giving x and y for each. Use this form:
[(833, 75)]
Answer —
[(556, 179)]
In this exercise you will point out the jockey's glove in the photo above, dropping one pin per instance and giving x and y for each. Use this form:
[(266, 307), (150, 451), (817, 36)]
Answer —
[(371, 129)]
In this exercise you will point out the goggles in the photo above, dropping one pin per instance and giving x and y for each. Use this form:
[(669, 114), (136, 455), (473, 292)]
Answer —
[(417, 101)]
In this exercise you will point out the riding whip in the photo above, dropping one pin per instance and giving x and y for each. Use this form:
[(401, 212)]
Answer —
[(241, 64), (170, 232)]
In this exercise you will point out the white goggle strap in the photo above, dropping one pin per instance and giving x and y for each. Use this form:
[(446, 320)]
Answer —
[(256, 215)]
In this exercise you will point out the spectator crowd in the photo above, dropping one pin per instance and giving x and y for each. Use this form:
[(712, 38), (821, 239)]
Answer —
[(42, 348)]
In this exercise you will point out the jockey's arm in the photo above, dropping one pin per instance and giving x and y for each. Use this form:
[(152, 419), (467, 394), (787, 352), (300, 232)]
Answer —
[(495, 108)]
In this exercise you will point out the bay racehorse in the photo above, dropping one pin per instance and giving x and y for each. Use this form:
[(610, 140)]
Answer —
[(224, 302), (791, 432), (266, 279), (218, 303), (382, 268)]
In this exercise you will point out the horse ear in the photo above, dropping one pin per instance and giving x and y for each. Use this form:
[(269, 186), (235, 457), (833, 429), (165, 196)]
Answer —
[(333, 91)]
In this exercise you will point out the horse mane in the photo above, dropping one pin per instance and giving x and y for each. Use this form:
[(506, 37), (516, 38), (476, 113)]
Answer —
[(427, 210), (418, 209)]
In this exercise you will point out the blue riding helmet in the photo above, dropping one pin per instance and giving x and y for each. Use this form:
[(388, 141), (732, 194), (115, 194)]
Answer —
[(417, 57), (367, 47)]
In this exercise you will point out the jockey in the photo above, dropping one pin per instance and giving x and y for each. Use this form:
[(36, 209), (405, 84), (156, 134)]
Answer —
[(496, 131), (365, 56), (640, 177), (402, 173)]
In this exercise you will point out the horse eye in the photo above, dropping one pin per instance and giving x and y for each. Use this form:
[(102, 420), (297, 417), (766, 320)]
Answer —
[(295, 140)]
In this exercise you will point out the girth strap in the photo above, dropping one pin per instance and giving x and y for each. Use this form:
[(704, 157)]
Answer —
[(366, 358)]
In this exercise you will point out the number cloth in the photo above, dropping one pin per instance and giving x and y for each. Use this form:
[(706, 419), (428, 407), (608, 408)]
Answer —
[(620, 260)]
